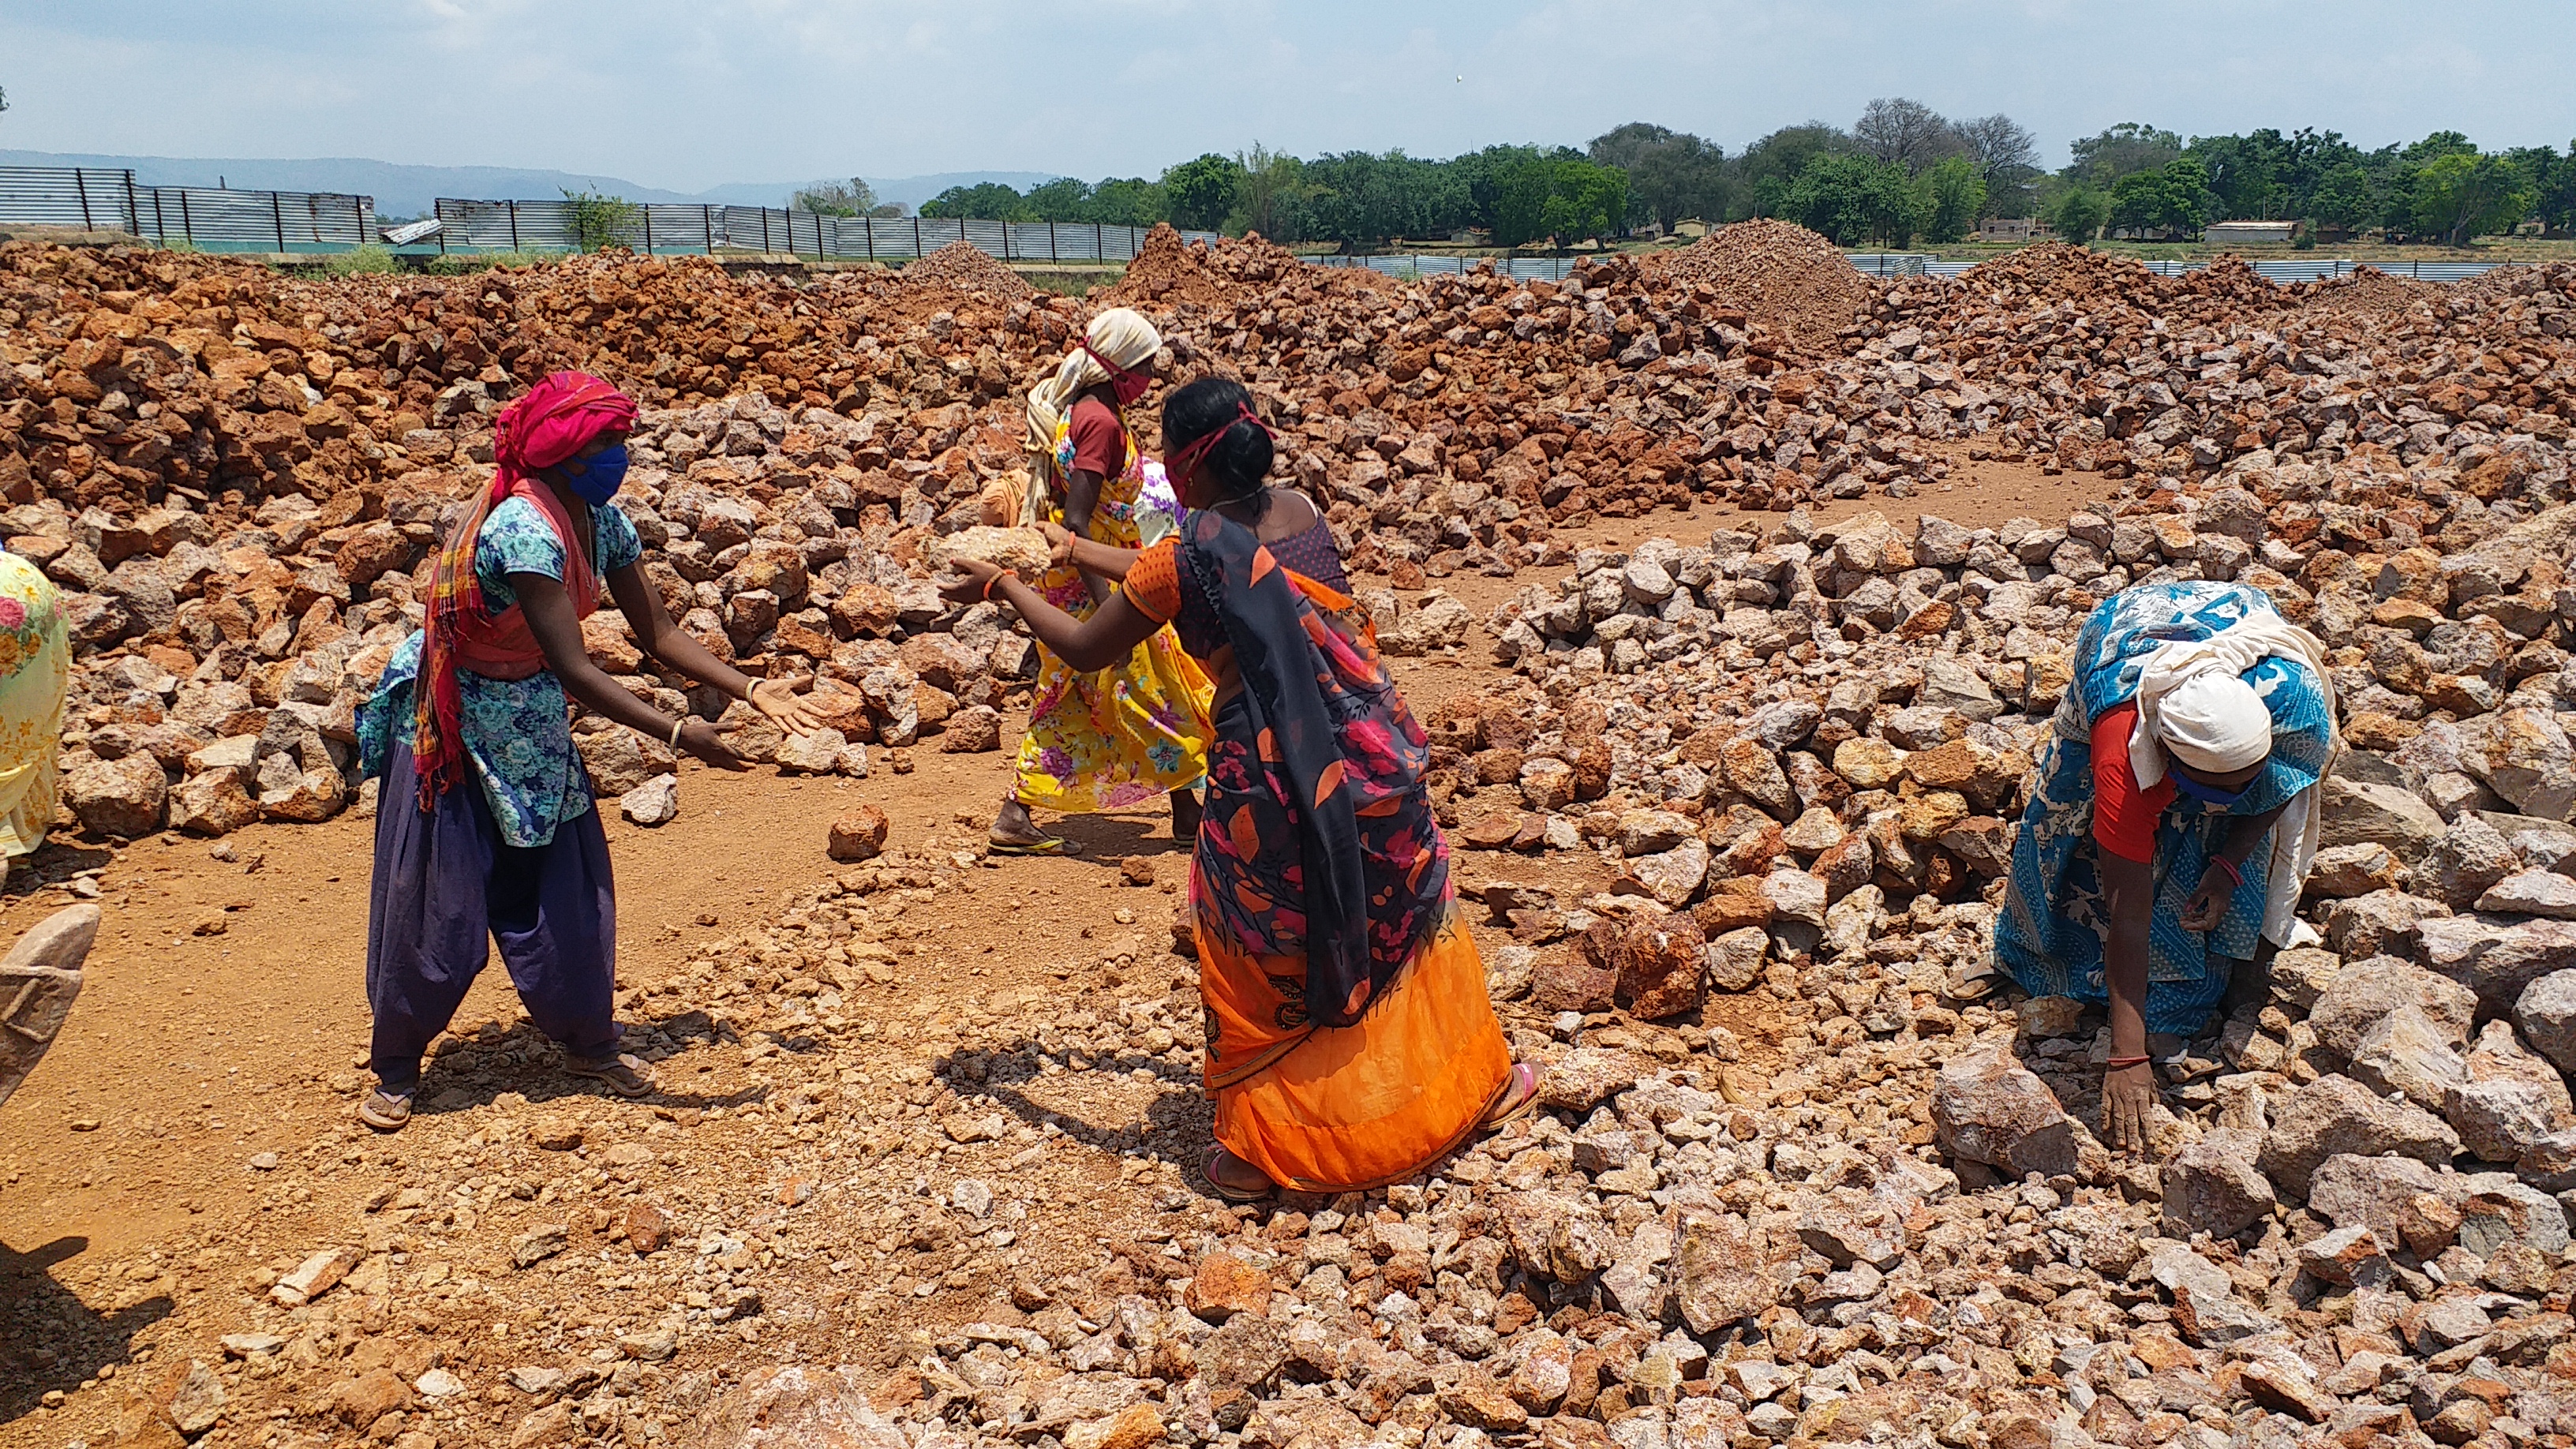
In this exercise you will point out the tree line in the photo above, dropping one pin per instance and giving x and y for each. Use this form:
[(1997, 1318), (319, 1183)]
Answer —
[(1901, 174)]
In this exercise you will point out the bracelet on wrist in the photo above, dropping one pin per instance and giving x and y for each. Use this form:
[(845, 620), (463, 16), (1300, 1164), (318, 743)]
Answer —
[(2116, 1063), (2234, 876), (678, 725), (993, 583)]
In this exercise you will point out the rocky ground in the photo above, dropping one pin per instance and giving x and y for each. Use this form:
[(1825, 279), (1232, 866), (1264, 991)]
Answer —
[(1734, 799)]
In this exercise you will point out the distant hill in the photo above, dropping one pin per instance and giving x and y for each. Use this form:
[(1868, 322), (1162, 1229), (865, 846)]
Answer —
[(409, 190)]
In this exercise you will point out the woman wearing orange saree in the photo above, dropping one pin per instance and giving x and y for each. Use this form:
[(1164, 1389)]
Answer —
[(1350, 1042)]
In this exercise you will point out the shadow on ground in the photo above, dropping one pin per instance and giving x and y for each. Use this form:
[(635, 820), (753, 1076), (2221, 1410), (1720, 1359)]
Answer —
[(49, 1338)]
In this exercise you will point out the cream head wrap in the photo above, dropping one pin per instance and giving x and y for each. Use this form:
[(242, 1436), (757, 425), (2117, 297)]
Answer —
[(1124, 337)]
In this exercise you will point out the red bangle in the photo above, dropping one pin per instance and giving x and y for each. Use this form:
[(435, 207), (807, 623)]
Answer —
[(2117, 1062), (2223, 864)]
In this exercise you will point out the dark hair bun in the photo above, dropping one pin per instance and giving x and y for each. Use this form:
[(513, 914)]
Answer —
[(1242, 456)]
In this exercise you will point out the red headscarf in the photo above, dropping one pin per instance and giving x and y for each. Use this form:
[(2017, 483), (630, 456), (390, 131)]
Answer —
[(556, 419)]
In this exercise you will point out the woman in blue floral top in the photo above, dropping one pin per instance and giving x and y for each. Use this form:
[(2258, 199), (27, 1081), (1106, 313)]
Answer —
[(487, 826)]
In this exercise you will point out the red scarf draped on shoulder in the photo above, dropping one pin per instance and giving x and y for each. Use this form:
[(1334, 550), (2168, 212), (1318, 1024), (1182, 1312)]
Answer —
[(557, 418)]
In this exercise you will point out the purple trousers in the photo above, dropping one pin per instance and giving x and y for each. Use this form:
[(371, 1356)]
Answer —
[(445, 885)]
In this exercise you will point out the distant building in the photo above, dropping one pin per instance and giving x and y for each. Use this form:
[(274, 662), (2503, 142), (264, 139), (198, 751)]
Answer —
[(1690, 227), (2249, 233), (2010, 229)]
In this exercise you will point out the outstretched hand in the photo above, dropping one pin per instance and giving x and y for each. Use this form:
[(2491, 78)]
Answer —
[(706, 742), (2128, 1101), (784, 701), (976, 577)]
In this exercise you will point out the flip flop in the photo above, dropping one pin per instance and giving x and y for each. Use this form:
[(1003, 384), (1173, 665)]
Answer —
[(1229, 1191), (1520, 1094), (1052, 845), (386, 1111), (627, 1076)]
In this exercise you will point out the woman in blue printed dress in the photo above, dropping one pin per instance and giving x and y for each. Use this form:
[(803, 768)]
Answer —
[(486, 825), (2172, 820)]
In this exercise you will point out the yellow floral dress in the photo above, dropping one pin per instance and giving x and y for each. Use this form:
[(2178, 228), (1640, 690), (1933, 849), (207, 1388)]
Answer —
[(1137, 730), (35, 669)]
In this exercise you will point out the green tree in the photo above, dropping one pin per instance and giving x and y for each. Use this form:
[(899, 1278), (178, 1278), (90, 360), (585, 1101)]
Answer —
[(2436, 146), (2461, 195), (599, 222), (1063, 199), (1852, 198), (2080, 214), (1770, 167), (1200, 192), (1271, 196), (1950, 197), (2552, 179), (1363, 200), (2120, 151), (853, 197), (985, 201), (1125, 201), (1672, 175), (2343, 199)]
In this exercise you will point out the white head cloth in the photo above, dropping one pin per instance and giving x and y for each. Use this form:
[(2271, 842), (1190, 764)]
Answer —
[(2193, 700), (2214, 721), (1120, 334)]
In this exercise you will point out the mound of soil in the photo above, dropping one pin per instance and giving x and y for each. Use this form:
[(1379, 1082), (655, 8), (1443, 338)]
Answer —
[(1784, 276)]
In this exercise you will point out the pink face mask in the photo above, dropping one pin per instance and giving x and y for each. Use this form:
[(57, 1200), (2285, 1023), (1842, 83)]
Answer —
[(1125, 384)]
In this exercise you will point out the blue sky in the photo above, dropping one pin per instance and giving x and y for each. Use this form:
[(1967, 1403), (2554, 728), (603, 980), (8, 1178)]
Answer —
[(686, 94)]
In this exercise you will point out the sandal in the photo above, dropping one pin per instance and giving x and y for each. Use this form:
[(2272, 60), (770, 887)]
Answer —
[(387, 1110), (1218, 1160), (627, 1076), (1519, 1095), (1051, 845)]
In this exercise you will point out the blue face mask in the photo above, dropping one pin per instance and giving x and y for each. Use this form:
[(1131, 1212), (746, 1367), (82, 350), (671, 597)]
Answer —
[(2205, 793), (597, 478)]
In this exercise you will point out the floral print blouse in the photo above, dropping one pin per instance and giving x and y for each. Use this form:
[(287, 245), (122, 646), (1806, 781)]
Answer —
[(518, 733)]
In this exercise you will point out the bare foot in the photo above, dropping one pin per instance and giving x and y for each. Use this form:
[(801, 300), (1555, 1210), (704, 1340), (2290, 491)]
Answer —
[(1186, 811)]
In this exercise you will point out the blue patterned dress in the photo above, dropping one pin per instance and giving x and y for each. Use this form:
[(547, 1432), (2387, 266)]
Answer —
[(2055, 917), (518, 732)]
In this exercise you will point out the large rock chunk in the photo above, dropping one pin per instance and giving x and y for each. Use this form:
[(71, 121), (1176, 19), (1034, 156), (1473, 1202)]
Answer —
[(2336, 1115), (1987, 1107), (39, 980), (2374, 1192), (1659, 966), (2361, 813), (121, 797), (2382, 921), (2405, 1053), (2471, 856), (2365, 992), (2205, 1305), (2509, 1099), (2213, 1186), (2531, 893), (2546, 1012), (2524, 756), (1720, 1276), (2496, 956)]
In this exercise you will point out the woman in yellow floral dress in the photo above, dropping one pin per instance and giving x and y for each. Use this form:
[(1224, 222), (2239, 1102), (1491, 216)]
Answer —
[(1126, 734), (35, 669)]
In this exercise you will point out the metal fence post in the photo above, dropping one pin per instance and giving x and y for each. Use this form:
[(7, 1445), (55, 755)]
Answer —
[(277, 214), (916, 234), (648, 229), (514, 226), (133, 213)]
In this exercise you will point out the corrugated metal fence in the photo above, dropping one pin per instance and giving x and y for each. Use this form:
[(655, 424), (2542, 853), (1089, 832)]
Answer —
[(203, 217), (703, 230)]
